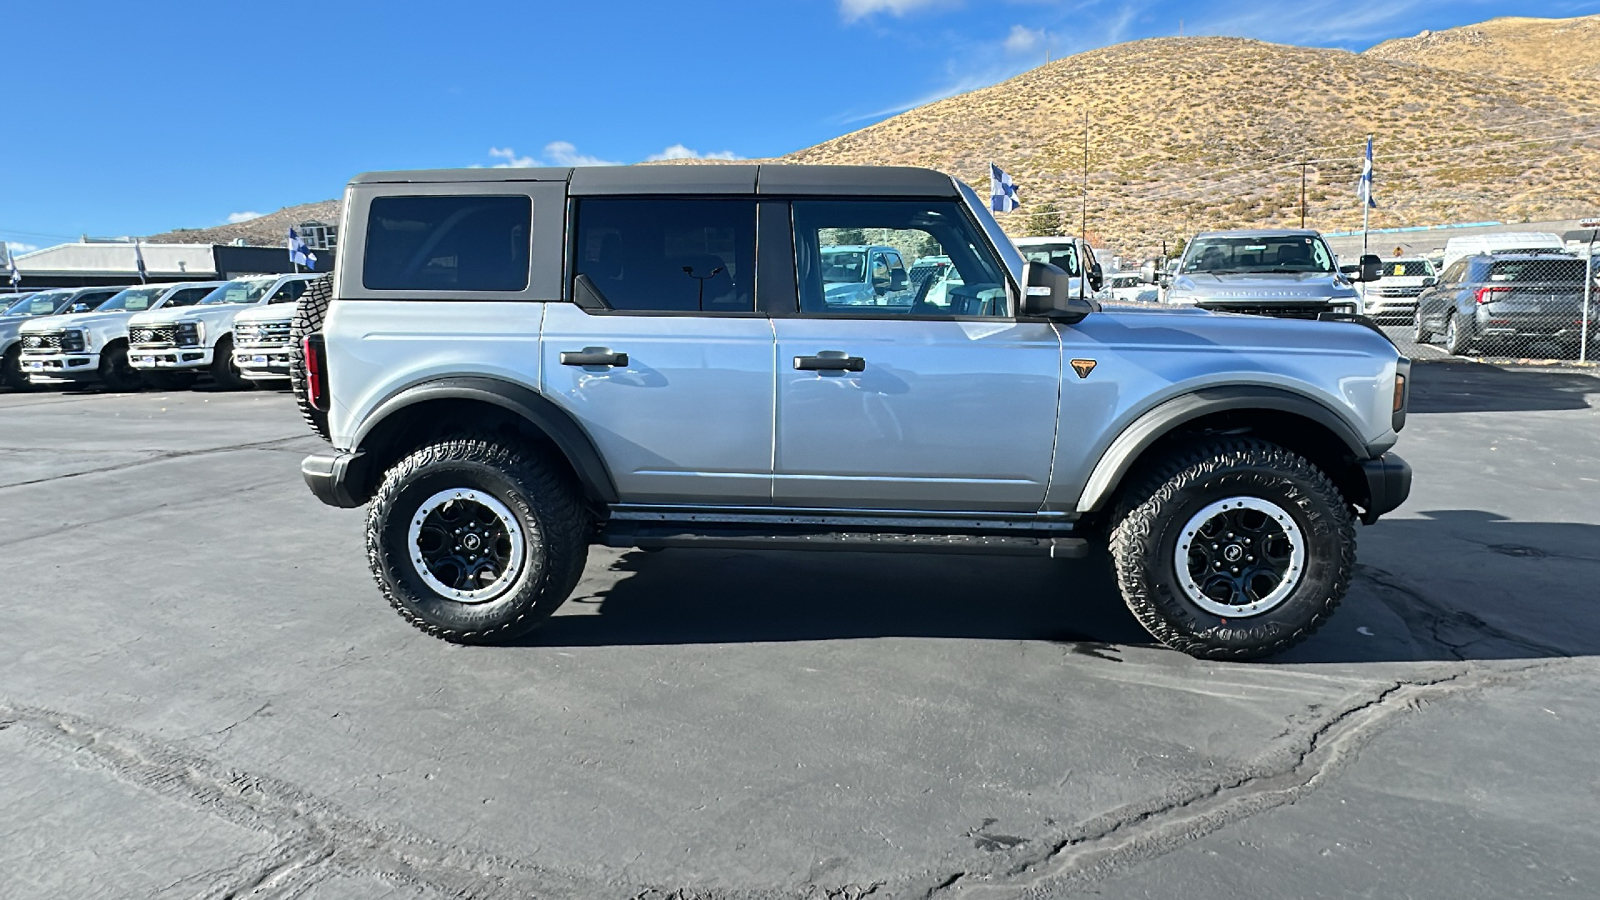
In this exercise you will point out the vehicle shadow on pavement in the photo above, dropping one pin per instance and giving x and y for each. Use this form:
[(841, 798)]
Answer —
[(712, 597), (1457, 387)]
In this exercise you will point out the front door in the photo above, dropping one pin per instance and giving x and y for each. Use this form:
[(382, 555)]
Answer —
[(674, 381), (920, 404)]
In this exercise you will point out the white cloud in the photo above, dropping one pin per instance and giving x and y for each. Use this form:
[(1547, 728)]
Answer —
[(1026, 41), (236, 218), (556, 153), (512, 160), (679, 151), (17, 248), (853, 10)]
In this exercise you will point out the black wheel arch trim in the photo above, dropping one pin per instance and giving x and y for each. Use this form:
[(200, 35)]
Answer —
[(531, 406), (1159, 421)]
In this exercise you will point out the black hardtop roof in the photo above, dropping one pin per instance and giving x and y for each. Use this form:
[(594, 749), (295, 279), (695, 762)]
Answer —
[(763, 178)]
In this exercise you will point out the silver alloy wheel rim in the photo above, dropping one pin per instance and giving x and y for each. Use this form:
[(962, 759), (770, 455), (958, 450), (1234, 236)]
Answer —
[(469, 538), (1240, 557)]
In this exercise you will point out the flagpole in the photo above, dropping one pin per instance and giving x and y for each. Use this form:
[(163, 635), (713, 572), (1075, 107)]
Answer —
[(1083, 226), (1366, 203)]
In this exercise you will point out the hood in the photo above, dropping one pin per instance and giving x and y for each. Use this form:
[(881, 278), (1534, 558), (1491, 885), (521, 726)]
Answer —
[(273, 313), (1189, 328), (1264, 286), (74, 320), (211, 315)]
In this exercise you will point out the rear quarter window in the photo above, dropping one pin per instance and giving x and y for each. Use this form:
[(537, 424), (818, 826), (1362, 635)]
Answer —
[(441, 243)]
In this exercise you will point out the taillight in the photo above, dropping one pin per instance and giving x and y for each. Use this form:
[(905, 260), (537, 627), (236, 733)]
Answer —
[(316, 371), (1486, 294)]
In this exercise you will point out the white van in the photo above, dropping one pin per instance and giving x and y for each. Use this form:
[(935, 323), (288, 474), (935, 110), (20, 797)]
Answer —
[(1505, 242)]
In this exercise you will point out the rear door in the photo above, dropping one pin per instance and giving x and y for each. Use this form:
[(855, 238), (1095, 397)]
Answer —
[(662, 356), (947, 405)]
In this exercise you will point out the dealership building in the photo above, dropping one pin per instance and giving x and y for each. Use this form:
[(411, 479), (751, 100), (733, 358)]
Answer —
[(88, 263)]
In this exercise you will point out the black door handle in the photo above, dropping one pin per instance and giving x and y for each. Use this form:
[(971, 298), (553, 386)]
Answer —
[(830, 363), (593, 356)]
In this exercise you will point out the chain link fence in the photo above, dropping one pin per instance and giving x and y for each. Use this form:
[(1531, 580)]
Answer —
[(1521, 305)]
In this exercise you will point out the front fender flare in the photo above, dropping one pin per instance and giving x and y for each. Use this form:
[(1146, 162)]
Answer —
[(1157, 422)]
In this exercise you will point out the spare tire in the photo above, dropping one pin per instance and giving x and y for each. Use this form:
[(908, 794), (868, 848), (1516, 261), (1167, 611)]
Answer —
[(309, 311)]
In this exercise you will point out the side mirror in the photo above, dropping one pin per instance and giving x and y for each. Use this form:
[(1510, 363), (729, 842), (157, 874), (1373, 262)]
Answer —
[(1047, 292), (79, 308), (1147, 273), (1097, 278), (1370, 269), (897, 279)]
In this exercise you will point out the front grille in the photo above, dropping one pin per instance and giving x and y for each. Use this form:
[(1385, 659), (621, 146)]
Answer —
[(153, 335), (265, 334), (41, 343), (1277, 312), (1399, 292)]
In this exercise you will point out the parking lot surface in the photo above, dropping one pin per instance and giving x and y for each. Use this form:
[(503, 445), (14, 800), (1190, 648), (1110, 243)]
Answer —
[(204, 695)]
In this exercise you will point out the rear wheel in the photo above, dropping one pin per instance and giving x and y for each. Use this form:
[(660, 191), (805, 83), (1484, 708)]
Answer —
[(475, 542), (223, 370), (116, 373), (1233, 549), (1456, 341), (309, 312), (1419, 332)]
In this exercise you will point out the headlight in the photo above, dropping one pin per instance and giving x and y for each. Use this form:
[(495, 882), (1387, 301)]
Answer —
[(188, 334), (74, 341)]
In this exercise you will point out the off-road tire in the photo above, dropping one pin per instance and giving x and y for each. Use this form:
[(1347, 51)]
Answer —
[(115, 373), (1419, 332), (309, 312), (549, 511), (1455, 343), (223, 371), (11, 373), (1145, 535), (170, 381)]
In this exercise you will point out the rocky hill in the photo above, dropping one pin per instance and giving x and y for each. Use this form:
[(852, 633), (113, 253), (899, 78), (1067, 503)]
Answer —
[(1549, 50), (270, 230)]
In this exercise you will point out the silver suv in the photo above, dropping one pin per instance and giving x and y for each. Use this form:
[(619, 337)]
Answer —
[(512, 365)]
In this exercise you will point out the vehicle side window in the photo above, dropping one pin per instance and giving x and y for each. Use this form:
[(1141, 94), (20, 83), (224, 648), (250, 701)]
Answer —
[(470, 243), (1455, 273), (668, 255), (850, 260), (288, 292), (187, 297)]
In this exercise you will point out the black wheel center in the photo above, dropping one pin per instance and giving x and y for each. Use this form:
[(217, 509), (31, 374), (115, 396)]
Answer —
[(464, 545)]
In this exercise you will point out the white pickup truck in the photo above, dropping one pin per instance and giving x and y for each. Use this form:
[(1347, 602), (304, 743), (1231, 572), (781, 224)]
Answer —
[(93, 346), (261, 335), (171, 347)]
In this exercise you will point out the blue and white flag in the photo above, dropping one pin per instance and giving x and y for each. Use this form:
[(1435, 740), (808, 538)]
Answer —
[(1364, 191), (11, 263), (299, 253), (138, 260), (1002, 192)]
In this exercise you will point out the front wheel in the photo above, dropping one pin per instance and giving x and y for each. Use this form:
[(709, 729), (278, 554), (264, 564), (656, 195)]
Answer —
[(476, 542), (1233, 549), (223, 369), (11, 373), (1456, 341), (1419, 332), (116, 373)]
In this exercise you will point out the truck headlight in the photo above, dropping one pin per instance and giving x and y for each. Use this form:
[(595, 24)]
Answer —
[(73, 342), (188, 334)]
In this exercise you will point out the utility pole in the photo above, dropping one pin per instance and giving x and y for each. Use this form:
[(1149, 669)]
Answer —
[(1083, 231), (1303, 167)]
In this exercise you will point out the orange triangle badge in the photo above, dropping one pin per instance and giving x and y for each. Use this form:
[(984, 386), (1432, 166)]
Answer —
[(1083, 367)]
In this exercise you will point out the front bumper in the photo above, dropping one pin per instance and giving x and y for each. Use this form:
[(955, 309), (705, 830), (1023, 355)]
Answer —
[(169, 358), (60, 368), (1388, 480), (262, 363), (337, 478)]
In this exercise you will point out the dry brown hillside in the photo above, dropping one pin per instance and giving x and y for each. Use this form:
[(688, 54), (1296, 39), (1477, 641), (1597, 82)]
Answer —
[(1197, 133), (1542, 49), (269, 230)]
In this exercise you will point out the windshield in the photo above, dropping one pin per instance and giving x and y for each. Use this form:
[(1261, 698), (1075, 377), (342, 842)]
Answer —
[(1407, 268), (41, 304), (1289, 254), (1062, 255), (843, 266), (237, 292), (133, 299)]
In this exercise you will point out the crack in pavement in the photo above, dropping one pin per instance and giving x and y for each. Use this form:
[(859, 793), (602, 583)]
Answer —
[(1425, 616), (275, 443)]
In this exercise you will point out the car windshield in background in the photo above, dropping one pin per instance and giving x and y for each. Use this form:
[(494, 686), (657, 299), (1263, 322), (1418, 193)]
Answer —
[(1526, 270), (237, 292), (1063, 255), (133, 299), (40, 304), (1289, 255), (1407, 268), (843, 266)]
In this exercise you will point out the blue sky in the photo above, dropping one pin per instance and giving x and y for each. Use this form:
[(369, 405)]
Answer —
[(135, 118)]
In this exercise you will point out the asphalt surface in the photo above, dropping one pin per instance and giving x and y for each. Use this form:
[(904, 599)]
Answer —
[(203, 695)]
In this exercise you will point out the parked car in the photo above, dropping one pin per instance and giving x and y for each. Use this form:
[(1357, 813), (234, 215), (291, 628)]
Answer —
[(42, 303), (171, 347), (1507, 301), (501, 404), (1395, 297), (1129, 287), (865, 275), (1069, 254), (1459, 248), (1287, 273), (93, 346), (261, 335)]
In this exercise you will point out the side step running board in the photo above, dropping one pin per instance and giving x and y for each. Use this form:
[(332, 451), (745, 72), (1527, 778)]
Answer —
[(654, 536)]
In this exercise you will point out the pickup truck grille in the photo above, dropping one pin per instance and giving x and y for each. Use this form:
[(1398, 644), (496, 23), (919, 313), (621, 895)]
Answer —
[(153, 335), (41, 343), (1276, 312), (1398, 292), (265, 334)]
